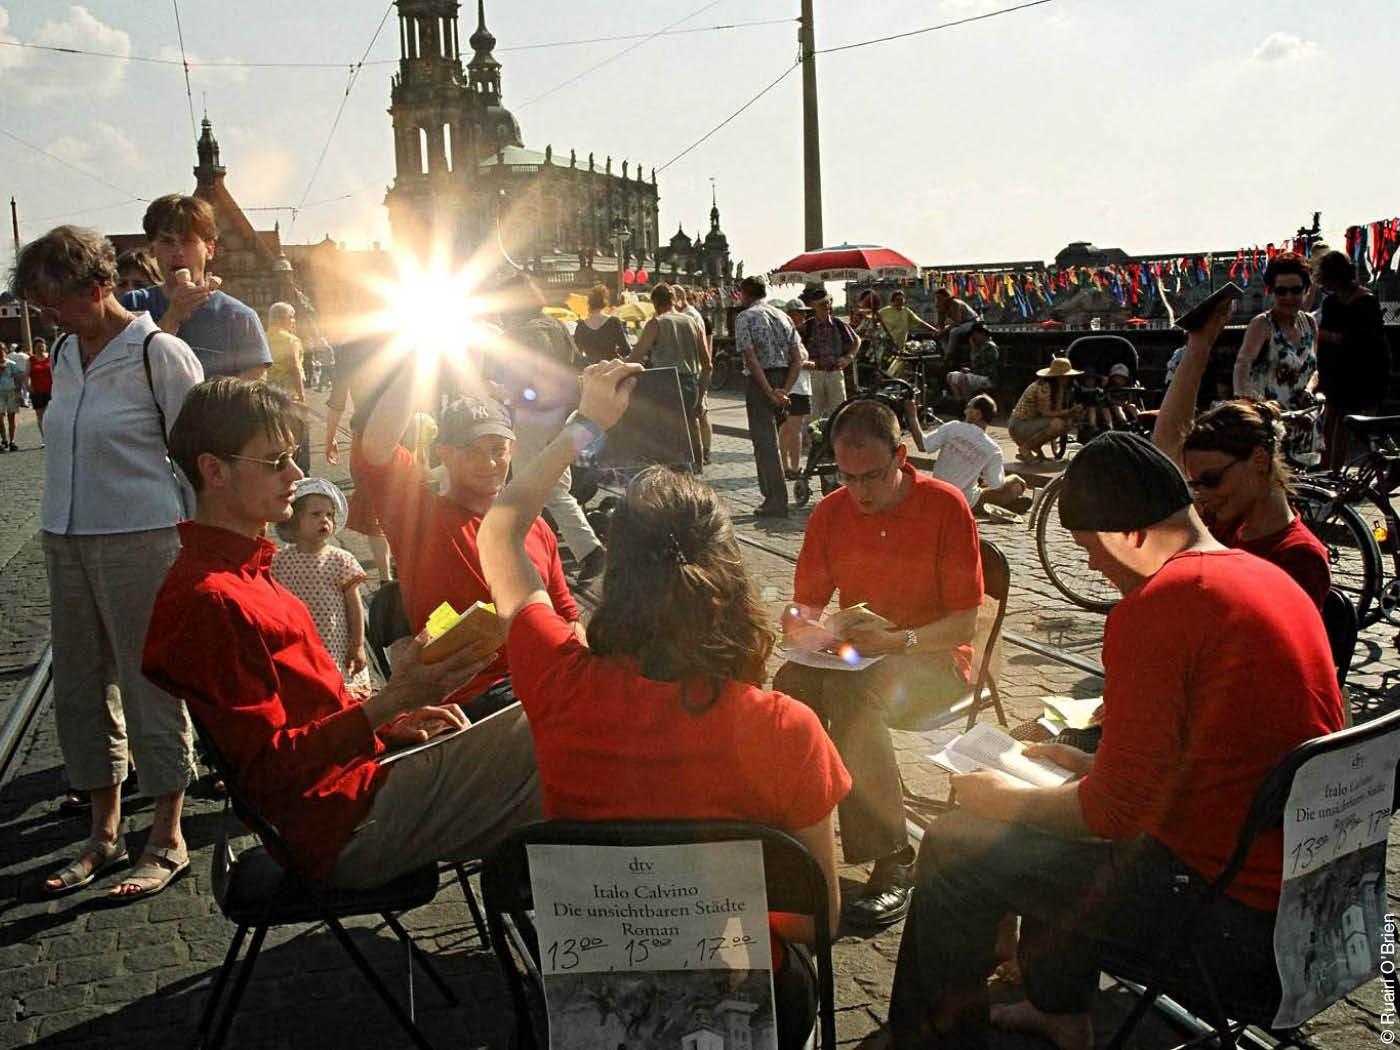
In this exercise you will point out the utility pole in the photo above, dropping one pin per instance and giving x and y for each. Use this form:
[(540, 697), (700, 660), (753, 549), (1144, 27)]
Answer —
[(23, 303), (811, 136)]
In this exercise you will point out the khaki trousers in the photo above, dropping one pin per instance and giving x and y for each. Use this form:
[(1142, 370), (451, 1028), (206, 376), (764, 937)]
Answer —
[(101, 590)]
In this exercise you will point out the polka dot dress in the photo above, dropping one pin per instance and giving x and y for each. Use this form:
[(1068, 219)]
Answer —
[(320, 580)]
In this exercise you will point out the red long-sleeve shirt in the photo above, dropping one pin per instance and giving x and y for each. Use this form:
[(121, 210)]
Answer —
[(243, 652), (1214, 669)]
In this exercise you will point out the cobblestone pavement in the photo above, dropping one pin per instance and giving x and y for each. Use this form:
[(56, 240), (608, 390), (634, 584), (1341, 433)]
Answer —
[(75, 972)]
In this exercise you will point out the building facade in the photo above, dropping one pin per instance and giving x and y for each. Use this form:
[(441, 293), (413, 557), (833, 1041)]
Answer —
[(466, 186)]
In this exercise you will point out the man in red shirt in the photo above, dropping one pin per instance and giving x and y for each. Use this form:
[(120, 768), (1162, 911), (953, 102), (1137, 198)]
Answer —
[(1216, 665), (906, 546), (434, 536), (243, 652)]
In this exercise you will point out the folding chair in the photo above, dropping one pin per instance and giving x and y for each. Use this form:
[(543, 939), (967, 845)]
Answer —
[(795, 884), (265, 887), (1266, 811), (386, 623), (996, 584), (1339, 619)]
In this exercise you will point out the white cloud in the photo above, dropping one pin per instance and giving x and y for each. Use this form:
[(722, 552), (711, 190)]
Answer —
[(1284, 47), (106, 147), (205, 74), (57, 76), (10, 57), (969, 8)]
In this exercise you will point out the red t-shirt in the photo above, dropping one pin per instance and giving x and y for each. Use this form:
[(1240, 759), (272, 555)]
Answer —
[(1295, 550), (613, 745), (1215, 669), (41, 375), (242, 651), (913, 565), (434, 543)]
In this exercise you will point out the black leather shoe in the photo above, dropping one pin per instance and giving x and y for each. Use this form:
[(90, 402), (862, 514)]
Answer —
[(886, 896)]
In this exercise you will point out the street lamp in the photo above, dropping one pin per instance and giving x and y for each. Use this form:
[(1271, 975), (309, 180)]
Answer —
[(620, 234)]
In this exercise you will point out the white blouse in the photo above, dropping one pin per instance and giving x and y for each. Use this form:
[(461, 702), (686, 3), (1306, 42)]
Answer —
[(106, 469)]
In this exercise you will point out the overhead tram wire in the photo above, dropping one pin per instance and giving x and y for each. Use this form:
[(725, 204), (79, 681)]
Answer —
[(131, 197), (189, 95), (349, 86), (844, 47), (616, 55), (240, 64)]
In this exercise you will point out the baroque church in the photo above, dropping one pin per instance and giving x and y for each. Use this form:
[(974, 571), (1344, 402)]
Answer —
[(465, 181)]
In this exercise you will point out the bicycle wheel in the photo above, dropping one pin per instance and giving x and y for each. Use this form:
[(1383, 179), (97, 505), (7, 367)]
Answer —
[(1352, 551), (1065, 562)]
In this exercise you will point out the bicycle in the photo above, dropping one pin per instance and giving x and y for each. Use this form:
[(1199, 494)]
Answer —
[(1066, 564), (1336, 504)]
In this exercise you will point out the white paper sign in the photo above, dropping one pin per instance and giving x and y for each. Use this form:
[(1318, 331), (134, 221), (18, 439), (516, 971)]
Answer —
[(654, 945), (1327, 938)]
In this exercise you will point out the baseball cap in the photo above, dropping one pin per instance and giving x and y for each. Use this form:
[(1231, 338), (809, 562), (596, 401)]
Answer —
[(469, 418), (1120, 369), (1120, 482)]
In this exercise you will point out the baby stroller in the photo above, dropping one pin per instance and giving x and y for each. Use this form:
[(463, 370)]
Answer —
[(1100, 357), (896, 394)]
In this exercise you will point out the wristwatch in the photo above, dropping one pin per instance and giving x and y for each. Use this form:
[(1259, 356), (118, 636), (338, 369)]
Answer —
[(911, 639), (582, 431)]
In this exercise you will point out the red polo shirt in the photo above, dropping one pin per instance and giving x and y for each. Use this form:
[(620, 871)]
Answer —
[(913, 565), (242, 651), (434, 544), (1214, 669)]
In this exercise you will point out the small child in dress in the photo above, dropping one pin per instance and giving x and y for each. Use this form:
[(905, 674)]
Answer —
[(325, 577)]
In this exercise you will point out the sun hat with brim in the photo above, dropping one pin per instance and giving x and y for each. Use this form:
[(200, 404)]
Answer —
[(1059, 368), (322, 487)]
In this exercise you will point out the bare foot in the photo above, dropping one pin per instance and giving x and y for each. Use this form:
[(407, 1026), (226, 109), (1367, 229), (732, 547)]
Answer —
[(1066, 1031)]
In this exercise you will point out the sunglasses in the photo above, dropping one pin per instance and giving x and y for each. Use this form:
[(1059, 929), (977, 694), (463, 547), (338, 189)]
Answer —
[(1290, 289), (284, 460), (1211, 479)]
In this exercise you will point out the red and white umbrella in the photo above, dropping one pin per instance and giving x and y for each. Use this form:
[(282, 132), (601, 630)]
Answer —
[(845, 262)]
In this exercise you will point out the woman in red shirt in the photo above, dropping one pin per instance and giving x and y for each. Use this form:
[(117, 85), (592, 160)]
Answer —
[(1233, 460), (660, 715), (40, 380)]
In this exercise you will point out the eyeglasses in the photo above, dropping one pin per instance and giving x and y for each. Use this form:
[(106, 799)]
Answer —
[(868, 477), (1211, 479), (1290, 289), (284, 460)]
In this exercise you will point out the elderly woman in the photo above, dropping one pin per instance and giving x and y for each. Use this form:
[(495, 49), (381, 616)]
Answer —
[(111, 502)]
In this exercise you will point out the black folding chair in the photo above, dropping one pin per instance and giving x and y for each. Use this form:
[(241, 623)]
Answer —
[(265, 887), (386, 623), (1266, 812), (1339, 618), (795, 881)]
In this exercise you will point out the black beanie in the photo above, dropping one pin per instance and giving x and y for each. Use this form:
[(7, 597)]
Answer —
[(1120, 482)]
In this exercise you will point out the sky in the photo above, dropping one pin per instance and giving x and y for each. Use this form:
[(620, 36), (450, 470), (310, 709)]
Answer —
[(1174, 126)]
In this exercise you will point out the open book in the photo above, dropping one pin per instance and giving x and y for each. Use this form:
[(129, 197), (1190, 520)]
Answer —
[(823, 645), (985, 747), (450, 630)]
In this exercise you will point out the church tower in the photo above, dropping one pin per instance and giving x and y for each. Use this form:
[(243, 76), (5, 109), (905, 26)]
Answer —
[(446, 120)]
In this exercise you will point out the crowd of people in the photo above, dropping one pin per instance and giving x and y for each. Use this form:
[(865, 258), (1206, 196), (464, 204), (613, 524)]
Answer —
[(169, 601)]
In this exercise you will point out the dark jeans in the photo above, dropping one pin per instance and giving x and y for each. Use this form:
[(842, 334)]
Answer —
[(857, 707), (1086, 905), (763, 431)]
